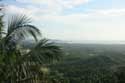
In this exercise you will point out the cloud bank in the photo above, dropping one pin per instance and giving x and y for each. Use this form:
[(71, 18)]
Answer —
[(95, 24)]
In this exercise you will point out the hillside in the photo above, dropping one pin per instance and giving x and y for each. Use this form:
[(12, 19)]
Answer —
[(84, 63), (90, 63)]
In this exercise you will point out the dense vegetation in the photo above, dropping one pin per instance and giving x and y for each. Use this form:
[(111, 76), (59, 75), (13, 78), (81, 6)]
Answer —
[(89, 63), (18, 64)]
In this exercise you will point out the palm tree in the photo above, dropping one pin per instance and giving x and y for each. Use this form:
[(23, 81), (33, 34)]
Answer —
[(17, 66)]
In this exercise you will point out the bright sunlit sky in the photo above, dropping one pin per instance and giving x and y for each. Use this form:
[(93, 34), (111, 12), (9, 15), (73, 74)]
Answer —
[(74, 19)]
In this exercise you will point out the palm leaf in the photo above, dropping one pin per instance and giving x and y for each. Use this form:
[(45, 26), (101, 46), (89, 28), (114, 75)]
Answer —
[(44, 51), (19, 27), (18, 67), (1, 26)]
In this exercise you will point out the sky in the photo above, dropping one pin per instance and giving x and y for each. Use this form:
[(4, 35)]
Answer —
[(78, 20)]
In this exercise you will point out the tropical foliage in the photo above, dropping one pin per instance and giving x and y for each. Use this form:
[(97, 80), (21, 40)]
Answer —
[(16, 64), (92, 63)]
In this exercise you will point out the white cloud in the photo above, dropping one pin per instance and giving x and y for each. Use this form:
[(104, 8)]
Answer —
[(56, 5), (73, 3), (32, 1), (80, 16), (110, 12), (29, 10), (12, 9), (94, 25)]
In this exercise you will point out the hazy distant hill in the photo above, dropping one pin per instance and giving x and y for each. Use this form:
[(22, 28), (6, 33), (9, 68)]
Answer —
[(91, 63), (88, 63)]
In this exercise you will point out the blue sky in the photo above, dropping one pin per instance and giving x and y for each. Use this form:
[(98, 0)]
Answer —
[(74, 19)]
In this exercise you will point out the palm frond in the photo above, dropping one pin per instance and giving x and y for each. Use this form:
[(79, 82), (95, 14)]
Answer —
[(45, 51), (1, 26), (20, 27), (19, 67)]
